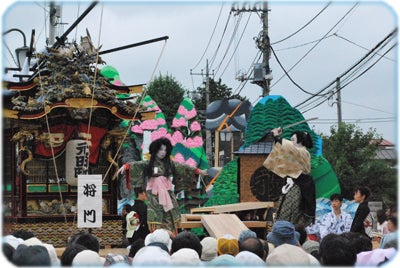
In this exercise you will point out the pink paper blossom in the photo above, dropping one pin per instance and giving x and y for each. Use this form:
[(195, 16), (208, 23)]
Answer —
[(177, 137), (191, 162), (137, 129), (195, 126), (149, 124), (194, 142), (181, 122), (188, 114), (179, 158)]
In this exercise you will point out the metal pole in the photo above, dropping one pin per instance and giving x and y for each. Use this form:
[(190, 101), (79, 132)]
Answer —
[(208, 132), (266, 50), (338, 102)]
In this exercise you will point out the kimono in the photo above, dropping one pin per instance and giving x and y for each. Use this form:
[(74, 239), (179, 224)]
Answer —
[(297, 203), (162, 206)]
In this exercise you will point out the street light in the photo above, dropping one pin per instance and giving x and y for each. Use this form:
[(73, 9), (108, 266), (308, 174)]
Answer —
[(21, 52)]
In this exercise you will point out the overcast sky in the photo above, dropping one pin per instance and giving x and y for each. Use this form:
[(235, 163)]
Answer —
[(320, 49)]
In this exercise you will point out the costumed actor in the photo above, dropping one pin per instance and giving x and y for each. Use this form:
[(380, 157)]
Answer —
[(159, 175), (290, 160)]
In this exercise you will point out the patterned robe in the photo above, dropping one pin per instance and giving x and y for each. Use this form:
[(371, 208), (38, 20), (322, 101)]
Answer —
[(183, 179)]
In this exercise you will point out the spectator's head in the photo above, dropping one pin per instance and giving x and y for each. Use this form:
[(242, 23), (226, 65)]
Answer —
[(227, 244), (253, 245), (247, 258), (312, 247), (336, 196), (302, 231), (8, 251), (265, 247), (89, 241), (150, 255), (31, 256), (361, 194), (283, 232), (392, 224), (186, 240), (23, 234), (246, 234), (359, 242), (288, 255), (335, 250), (69, 254), (161, 236), (381, 216), (209, 248), (136, 245), (88, 258), (185, 256)]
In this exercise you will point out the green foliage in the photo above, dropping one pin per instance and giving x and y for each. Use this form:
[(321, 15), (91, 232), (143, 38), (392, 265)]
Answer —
[(225, 189), (167, 93), (351, 154)]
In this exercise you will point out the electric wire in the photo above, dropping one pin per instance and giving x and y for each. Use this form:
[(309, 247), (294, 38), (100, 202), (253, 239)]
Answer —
[(303, 27), (222, 37), (229, 43), (211, 37), (351, 68), (351, 42), (312, 48), (236, 47)]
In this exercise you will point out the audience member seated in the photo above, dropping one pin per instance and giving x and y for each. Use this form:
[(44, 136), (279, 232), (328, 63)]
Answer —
[(186, 240), (209, 249), (227, 244), (185, 256), (31, 256), (336, 250), (283, 232)]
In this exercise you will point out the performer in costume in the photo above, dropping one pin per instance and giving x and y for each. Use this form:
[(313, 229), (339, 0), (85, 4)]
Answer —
[(158, 175), (290, 160)]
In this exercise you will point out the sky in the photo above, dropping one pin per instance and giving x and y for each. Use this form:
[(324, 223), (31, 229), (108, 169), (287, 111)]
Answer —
[(314, 50)]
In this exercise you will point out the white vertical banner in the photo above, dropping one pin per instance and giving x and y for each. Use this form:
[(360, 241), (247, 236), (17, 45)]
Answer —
[(90, 200)]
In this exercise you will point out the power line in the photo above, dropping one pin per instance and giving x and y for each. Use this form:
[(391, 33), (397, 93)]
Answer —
[(308, 23), (309, 51), (351, 42), (237, 45), (212, 35), (230, 42), (389, 36)]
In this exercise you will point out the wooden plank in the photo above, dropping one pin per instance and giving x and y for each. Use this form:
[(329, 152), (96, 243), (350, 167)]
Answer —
[(242, 206), (219, 225), (202, 210), (233, 207)]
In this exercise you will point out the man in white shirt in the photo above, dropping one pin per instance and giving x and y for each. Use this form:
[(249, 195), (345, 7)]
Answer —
[(336, 221)]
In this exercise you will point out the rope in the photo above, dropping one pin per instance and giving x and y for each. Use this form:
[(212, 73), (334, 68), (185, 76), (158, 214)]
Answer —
[(144, 93)]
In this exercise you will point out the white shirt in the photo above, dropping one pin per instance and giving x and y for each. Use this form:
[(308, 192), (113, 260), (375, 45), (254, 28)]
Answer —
[(330, 223)]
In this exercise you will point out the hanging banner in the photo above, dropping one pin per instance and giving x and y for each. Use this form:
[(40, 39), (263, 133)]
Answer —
[(90, 213), (76, 160)]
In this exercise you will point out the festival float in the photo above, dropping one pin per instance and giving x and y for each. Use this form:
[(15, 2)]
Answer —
[(66, 117), (62, 118)]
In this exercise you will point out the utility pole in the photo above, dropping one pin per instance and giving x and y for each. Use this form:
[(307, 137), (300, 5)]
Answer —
[(338, 102), (266, 50), (209, 147), (262, 72), (208, 132)]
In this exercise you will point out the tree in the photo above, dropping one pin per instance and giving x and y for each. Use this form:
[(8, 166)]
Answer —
[(352, 156), (217, 91), (167, 93)]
